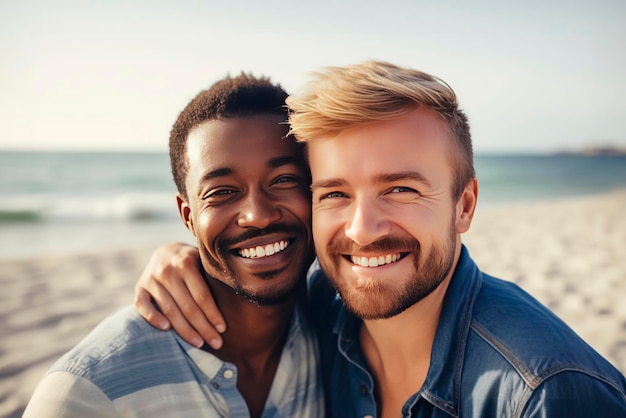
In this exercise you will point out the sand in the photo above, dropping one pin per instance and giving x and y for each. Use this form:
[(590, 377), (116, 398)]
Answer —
[(569, 254)]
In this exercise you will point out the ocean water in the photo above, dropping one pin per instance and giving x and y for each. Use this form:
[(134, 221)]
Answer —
[(59, 202)]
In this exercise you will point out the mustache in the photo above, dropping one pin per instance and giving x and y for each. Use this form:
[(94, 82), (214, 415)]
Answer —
[(341, 245), (255, 233)]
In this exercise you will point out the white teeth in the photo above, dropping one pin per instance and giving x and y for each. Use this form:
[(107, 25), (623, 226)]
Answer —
[(266, 251), (375, 261)]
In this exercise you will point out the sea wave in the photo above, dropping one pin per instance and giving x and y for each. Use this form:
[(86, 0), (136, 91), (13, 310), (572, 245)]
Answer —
[(127, 207)]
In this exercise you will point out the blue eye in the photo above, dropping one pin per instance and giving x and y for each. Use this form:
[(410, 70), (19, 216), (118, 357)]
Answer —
[(401, 189), (332, 195)]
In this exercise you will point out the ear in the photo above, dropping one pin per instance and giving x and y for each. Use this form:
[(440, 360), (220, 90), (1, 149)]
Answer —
[(185, 213), (465, 206)]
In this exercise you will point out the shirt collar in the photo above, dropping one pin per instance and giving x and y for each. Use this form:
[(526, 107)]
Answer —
[(211, 365), (443, 381)]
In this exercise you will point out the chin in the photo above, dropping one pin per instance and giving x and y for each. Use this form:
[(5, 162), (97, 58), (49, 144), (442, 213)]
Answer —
[(268, 298)]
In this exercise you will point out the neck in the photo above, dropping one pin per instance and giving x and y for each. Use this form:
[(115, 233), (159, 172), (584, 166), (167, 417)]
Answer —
[(407, 338), (398, 349), (253, 342), (253, 331)]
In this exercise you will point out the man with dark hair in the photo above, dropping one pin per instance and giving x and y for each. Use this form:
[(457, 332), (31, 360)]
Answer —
[(243, 193)]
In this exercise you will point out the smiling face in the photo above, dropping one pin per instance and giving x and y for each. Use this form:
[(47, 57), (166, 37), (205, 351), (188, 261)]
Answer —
[(249, 205), (385, 223)]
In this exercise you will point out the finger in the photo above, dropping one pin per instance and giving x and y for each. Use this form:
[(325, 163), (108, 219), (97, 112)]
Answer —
[(191, 316), (143, 305), (204, 299), (171, 310)]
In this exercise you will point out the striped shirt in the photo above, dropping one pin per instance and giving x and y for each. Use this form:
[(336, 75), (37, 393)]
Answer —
[(126, 368)]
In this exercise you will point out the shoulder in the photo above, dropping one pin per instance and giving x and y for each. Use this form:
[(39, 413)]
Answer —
[(117, 337), (62, 394), (572, 393), (518, 333), (123, 354)]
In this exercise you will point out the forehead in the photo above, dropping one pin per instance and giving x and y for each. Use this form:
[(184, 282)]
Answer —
[(239, 140), (418, 141)]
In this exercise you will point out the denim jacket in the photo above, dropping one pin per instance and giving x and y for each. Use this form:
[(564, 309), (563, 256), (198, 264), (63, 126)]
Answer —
[(497, 353)]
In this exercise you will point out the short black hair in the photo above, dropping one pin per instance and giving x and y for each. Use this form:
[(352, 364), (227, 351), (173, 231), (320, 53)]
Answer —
[(241, 96)]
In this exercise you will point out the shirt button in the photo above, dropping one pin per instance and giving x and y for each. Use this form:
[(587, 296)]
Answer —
[(363, 390), (228, 374)]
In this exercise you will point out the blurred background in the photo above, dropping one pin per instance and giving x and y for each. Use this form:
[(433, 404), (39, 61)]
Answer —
[(89, 91)]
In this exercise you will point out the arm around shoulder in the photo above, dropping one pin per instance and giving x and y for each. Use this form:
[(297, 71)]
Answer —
[(174, 281), (62, 394)]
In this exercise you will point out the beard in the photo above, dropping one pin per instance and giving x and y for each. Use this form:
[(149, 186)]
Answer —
[(275, 296), (270, 297), (214, 267), (370, 298)]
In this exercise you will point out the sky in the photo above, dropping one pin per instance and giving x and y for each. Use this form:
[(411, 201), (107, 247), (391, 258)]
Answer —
[(534, 76)]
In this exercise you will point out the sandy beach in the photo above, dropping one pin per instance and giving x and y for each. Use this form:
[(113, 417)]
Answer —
[(570, 254)]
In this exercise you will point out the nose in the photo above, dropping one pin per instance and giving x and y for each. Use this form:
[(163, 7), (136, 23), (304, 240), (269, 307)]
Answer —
[(367, 223), (258, 211)]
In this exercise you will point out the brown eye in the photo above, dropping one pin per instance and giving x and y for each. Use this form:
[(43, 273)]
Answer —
[(219, 194), (285, 179)]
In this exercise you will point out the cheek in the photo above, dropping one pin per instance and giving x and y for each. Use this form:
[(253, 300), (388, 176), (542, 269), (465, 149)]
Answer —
[(419, 222), (203, 219), (300, 207), (325, 227), (205, 226)]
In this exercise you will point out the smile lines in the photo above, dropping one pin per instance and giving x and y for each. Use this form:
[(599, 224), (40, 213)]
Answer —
[(375, 261), (264, 251)]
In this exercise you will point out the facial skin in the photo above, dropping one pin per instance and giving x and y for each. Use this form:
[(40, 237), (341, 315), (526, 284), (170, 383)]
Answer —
[(385, 223), (249, 206)]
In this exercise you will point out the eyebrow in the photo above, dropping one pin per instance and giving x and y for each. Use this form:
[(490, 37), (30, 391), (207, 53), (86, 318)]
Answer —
[(377, 179), (286, 160), (220, 172), (272, 163), (402, 175)]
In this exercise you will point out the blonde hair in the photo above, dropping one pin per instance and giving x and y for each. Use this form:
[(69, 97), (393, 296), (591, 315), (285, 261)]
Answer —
[(339, 98)]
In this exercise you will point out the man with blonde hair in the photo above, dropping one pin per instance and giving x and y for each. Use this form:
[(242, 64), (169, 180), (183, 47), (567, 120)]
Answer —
[(407, 323)]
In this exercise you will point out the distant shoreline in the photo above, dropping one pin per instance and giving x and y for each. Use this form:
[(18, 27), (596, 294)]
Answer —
[(595, 151)]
